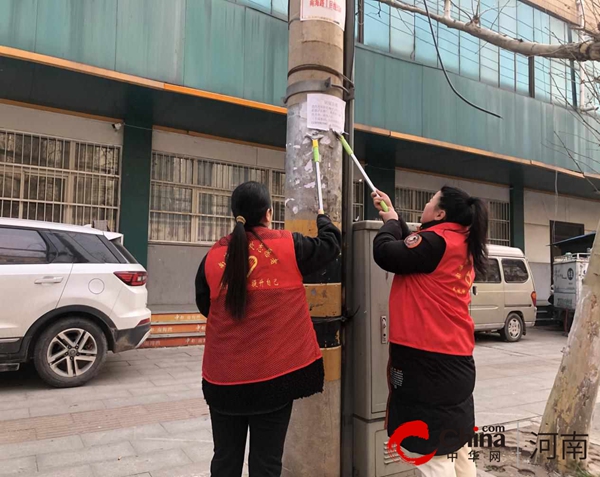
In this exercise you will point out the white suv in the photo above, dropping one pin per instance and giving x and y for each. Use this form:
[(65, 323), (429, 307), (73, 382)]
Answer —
[(68, 294)]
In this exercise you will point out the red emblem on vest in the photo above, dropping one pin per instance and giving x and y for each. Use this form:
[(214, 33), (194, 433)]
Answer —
[(413, 240)]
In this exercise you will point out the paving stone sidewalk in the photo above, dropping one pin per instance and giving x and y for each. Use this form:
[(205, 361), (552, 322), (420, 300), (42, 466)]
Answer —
[(145, 416)]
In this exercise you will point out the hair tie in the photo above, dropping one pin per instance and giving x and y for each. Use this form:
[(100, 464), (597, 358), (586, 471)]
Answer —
[(240, 219)]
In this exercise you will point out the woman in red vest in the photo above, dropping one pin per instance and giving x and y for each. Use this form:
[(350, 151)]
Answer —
[(431, 371), (261, 349)]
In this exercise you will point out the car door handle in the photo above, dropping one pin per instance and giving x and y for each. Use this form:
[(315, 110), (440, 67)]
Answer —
[(48, 280)]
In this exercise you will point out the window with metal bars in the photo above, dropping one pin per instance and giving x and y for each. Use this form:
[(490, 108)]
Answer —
[(58, 180), (499, 222), (411, 202), (358, 200), (190, 198)]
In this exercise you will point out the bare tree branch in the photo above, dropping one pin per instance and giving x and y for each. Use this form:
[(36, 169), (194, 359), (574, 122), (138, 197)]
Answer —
[(447, 9), (468, 15), (560, 149), (583, 51), (581, 14), (576, 162)]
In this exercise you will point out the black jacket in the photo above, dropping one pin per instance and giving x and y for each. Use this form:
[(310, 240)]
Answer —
[(312, 255)]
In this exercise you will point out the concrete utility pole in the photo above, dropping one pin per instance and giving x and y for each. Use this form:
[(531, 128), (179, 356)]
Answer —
[(316, 61)]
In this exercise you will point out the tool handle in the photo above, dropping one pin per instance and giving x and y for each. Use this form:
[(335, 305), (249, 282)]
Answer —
[(316, 156), (383, 205), (319, 187), (345, 144), (350, 152)]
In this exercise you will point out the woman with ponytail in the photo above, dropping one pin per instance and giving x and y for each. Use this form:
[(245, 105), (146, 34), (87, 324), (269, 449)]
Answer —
[(261, 350), (431, 371)]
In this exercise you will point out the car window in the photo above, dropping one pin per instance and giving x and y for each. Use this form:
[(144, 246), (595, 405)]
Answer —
[(492, 274), (515, 271), (94, 248), (20, 246), (123, 251), (65, 251)]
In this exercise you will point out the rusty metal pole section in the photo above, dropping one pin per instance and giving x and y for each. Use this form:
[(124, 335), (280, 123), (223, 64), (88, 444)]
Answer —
[(315, 100)]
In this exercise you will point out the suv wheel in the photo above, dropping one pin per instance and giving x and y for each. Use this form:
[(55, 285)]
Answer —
[(70, 352), (513, 329)]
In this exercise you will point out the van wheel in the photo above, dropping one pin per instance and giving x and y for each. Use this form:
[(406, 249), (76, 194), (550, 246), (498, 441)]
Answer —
[(513, 329), (70, 352)]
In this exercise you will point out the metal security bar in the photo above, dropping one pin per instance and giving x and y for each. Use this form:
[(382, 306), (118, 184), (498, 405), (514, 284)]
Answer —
[(190, 198), (358, 201), (58, 180), (499, 222), (411, 202), (278, 197)]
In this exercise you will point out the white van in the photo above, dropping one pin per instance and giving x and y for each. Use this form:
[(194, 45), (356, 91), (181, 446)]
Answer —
[(505, 299)]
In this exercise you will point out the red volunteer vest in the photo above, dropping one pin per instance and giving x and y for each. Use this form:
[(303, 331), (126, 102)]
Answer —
[(276, 336), (430, 312)]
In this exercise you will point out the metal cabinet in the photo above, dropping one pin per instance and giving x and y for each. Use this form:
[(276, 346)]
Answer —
[(371, 349)]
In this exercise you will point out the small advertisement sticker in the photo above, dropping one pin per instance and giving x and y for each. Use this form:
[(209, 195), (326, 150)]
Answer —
[(332, 11)]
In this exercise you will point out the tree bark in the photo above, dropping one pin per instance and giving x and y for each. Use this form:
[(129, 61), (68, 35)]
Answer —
[(447, 9), (572, 401), (582, 51)]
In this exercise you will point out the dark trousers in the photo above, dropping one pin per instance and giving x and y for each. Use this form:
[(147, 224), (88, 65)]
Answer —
[(267, 437)]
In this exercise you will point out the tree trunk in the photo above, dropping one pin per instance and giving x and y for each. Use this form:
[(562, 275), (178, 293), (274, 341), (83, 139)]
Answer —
[(582, 51), (573, 398)]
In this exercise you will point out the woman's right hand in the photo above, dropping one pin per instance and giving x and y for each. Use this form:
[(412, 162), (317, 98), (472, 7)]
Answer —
[(379, 197)]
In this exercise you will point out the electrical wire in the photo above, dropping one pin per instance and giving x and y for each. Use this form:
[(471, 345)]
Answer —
[(503, 29), (550, 70), (544, 30), (479, 62), (545, 66), (480, 52), (446, 73), (450, 31)]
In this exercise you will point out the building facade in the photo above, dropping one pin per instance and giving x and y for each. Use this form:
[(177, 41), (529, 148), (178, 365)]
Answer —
[(145, 114)]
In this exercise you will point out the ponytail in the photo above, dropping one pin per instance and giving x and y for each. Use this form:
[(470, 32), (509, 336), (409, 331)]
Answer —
[(477, 241), (236, 271), (471, 212), (250, 202)]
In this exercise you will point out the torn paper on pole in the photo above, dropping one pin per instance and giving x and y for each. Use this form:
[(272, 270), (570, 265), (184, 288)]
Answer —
[(332, 11), (325, 112)]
